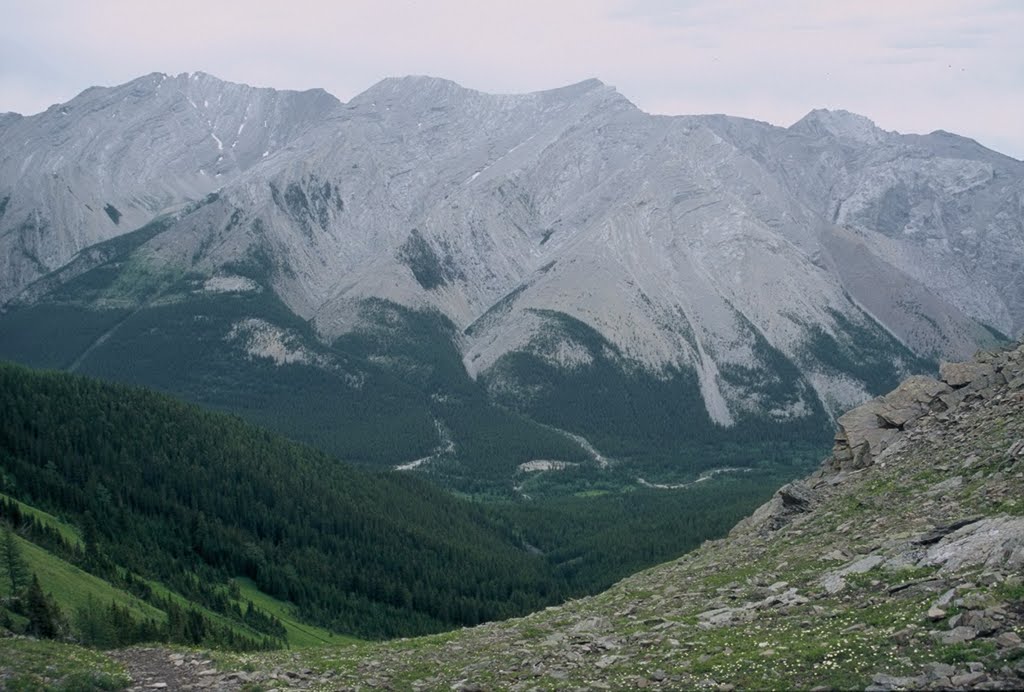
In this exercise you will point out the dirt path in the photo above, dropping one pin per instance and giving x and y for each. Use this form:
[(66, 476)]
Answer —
[(161, 669)]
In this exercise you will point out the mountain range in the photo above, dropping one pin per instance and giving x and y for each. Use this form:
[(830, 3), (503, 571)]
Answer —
[(606, 281)]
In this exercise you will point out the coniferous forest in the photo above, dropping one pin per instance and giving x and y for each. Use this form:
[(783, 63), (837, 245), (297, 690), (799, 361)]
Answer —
[(164, 492)]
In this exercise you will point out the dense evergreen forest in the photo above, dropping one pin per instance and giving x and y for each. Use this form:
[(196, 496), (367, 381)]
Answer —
[(190, 497), (193, 498)]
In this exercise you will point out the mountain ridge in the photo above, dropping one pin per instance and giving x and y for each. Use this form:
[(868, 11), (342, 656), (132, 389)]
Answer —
[(715, 253)]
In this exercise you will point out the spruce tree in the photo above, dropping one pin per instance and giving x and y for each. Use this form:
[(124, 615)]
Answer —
[(42, 612), (13, 562)]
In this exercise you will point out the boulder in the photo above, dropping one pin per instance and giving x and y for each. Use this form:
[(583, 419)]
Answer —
[(957, 635), (966, 680), (996, 542), (797, 497), (934, 671), (912, 399), (833, 582), (867, 430), (1009, 640), (958, 375), (788, 501), (981, 621)]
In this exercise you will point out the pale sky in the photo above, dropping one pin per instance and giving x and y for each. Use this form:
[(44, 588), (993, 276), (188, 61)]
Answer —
[(909, 65)]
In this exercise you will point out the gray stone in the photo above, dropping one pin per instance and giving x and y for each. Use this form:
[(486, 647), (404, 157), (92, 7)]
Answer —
[(722, 617), (910, 400), (995, 542), (883, 682), (866, 431), (946, 486), (965, 680), (980, 621), (833, 582), (935, 671), (1009, 640), (797, 497), (592, 624), (940, 532), (962, 374), (467, 686), (957, 635), (863, 434)]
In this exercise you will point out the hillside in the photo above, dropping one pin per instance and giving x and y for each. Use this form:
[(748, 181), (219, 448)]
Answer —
[(148, 502), (898, 566), (194, 499)]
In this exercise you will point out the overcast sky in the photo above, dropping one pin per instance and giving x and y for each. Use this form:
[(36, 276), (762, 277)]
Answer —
[(910, 65)]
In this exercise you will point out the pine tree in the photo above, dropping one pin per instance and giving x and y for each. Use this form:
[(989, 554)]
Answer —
[(13, 562), (42, 612), (92, 624)]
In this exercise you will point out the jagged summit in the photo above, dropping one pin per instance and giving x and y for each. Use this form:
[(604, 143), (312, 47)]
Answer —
[(840, 124), (445, 92), (112, 158), (424, 86), (580, 87)]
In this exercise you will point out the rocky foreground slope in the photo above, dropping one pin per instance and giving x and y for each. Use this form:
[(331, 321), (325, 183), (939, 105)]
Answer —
[(898, 564)]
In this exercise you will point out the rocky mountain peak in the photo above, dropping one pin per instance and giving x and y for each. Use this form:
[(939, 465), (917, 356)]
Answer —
[(839, 124), (581, 87), (420, 86), (436, 92), (112, 158), (7, 119)]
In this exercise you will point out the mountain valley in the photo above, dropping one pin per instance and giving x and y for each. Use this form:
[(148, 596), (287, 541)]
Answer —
[(896, 565), (441, 389)]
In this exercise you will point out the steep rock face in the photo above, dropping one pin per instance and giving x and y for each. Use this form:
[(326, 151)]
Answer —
[(908, 212), (112, 159), (722, 248)]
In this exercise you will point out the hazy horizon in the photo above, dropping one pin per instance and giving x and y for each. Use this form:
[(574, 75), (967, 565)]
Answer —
[(913, 67)]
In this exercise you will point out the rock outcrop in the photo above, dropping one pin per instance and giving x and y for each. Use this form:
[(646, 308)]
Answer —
[(867, 430)]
